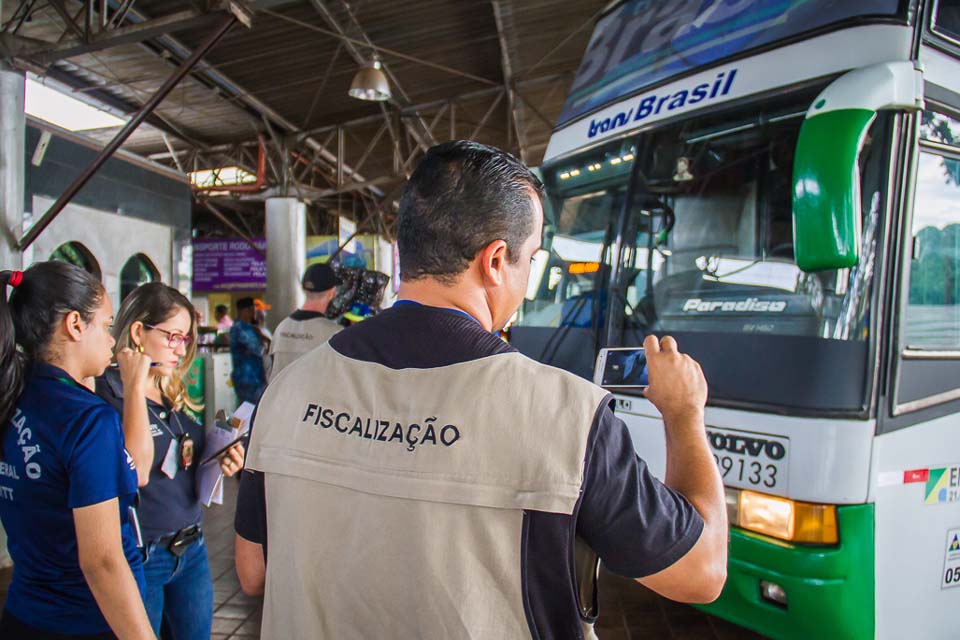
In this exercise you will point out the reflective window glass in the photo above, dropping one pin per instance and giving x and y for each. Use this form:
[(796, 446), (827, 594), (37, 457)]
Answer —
[(77, 254), (138, 270), (933, 309), (937, 127), (947, 19)]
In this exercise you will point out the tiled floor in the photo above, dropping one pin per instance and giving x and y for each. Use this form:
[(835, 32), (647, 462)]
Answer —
[(627, 610), (235, 615)]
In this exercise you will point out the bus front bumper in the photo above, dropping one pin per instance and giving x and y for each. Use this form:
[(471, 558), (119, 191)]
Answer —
[(829, 590)]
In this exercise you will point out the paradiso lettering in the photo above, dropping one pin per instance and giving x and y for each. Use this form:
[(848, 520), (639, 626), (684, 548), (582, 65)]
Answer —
[(750, 304), (411, 435), (655, 104)]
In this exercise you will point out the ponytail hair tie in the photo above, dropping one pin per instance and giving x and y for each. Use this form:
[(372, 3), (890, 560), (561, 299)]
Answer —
[(15, 279)]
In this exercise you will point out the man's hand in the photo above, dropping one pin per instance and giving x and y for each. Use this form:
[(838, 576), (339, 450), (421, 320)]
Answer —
[(679, 390), (677, 386)]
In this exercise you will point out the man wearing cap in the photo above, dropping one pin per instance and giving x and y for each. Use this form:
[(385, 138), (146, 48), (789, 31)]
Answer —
[(307, 327), (246, 354), (423, 479)]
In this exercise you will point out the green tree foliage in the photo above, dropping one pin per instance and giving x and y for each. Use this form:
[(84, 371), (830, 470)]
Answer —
[(934, 273), (942, 129)]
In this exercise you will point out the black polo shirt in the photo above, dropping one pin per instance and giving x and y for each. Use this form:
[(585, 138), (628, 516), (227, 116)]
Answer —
[(165, 505)]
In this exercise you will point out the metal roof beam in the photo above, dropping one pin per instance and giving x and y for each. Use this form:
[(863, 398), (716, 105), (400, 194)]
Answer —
[(438, 104), (507, 67), (208, 43), (123, 35), (381, 50), (421, 133), (66, 18), (205, 72), (155, 120)]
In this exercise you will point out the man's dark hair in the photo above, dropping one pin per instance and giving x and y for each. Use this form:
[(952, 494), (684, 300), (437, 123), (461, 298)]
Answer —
[(462, 196)]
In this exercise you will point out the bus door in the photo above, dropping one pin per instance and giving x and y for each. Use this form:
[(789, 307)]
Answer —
[(562, 320), (917, 452)]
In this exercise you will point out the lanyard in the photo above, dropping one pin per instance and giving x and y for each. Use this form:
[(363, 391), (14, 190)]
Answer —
[(70, 382), (174, 417), (414, 303)]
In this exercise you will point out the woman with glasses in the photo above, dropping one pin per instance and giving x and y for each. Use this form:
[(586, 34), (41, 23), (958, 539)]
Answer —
[(67, 487), (158, 322)]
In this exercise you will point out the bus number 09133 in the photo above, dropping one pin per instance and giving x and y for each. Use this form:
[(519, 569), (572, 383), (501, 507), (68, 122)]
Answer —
[(752, 472)]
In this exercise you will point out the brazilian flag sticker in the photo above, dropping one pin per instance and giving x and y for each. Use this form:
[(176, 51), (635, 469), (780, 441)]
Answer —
[(943, 486)]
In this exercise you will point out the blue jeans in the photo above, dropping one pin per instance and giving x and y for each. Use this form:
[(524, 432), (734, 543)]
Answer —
[(179, 591)]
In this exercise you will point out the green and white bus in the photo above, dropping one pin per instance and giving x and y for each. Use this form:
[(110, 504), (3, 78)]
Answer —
[(776, 184)]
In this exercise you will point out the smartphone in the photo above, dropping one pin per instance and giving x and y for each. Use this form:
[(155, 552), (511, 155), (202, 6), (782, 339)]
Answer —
[(242, 439), (622, 368)]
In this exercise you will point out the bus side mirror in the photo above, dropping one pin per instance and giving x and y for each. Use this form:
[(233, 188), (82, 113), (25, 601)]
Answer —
[(826, 175)]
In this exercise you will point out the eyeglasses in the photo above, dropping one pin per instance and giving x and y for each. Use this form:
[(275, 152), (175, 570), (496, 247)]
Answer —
[(174, 340)]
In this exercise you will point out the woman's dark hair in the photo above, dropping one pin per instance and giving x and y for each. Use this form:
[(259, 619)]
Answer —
[(153, 303), (45, 293), (462, 196)]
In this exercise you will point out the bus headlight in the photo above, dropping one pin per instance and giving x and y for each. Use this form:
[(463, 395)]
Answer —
[(783, 518)]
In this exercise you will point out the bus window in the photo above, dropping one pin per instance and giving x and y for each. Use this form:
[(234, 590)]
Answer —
[(562, 317), (946, 20), (586, 197), (932, 320), (727, 262)]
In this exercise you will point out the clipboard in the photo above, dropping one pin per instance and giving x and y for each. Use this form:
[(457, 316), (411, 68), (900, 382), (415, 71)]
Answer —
[(220, 437)]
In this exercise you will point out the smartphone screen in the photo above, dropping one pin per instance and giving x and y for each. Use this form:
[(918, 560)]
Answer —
[(625, 368)]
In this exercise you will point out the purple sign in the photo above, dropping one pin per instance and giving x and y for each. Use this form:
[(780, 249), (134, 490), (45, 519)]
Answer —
[(228, 264)]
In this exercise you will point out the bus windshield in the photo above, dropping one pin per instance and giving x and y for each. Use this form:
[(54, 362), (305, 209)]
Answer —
[(696, 239)]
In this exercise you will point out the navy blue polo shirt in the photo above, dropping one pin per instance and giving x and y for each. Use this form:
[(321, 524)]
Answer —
[(63, 450), (636, 524), (166, 505)]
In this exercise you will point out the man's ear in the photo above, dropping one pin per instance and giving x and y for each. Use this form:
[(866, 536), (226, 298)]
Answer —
[(73, 325), (493, 262)]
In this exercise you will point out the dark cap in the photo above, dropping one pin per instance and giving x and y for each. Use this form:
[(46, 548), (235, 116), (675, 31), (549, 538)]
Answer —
[(320, 277), (244, 303)]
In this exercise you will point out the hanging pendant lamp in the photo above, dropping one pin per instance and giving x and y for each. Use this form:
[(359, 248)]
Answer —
[(370, 83)]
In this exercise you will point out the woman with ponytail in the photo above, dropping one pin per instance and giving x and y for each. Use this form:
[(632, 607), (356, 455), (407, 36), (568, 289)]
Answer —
[(67, 485), (158, 323)]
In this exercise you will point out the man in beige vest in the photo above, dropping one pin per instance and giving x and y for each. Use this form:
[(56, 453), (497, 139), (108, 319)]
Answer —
[(417, 477), (307, 327)]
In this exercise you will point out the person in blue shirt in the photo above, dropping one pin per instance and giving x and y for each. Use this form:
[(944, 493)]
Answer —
[(67, 485), (246, 354), (158, 323)]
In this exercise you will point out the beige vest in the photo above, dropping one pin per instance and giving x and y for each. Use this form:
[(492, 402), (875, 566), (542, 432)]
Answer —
[(395, 498), (293, 338)]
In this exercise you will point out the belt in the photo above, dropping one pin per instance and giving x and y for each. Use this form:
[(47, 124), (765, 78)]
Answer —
[(178, 541)]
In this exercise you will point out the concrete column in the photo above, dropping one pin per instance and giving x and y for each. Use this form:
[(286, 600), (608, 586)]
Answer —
[(286, 257), (12, 141)]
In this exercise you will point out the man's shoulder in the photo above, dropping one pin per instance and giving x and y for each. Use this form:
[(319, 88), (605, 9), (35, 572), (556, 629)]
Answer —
[(283, 324), (545, 375)]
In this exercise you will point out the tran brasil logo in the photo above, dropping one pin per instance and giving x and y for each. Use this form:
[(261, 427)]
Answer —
[(655, 104), (696, 305)]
